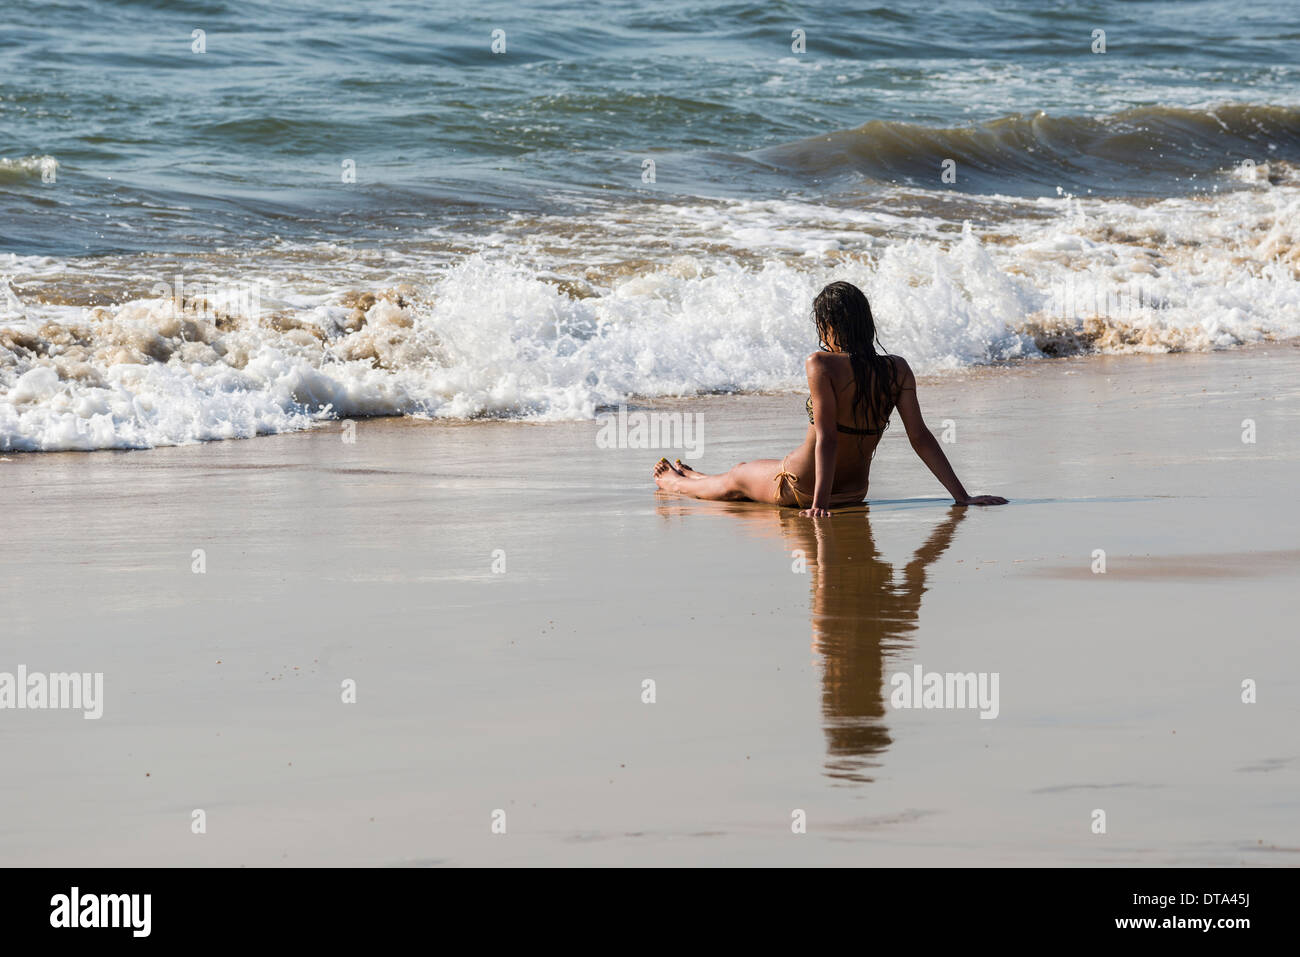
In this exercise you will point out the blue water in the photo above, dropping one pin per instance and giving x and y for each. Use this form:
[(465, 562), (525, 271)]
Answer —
[(342, 209), (163, 148)]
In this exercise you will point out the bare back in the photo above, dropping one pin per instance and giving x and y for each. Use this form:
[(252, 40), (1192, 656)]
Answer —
[(834, 395)]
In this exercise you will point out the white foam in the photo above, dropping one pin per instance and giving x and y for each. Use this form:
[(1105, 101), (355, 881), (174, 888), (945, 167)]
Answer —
[(29, 166), (495, 335)]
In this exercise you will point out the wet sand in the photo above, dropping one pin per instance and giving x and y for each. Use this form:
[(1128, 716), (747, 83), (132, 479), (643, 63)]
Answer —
[(522, 691)]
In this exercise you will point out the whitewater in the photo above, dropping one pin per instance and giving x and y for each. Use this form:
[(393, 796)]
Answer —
[(559, 318)]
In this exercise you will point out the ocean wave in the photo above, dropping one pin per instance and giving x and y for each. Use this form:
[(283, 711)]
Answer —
[(27, 167), (1115, 152), (555, 328)]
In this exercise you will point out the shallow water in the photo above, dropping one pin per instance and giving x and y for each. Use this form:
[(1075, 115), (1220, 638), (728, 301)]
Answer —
[(521, 689), (182, 258)]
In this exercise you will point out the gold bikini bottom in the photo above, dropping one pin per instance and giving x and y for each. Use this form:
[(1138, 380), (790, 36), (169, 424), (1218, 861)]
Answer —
[(787, 481)]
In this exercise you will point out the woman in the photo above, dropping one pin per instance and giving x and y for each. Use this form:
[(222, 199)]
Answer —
[(853, 389)]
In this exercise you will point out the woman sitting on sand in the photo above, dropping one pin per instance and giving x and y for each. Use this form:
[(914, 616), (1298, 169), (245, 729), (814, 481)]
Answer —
[(853, 389)]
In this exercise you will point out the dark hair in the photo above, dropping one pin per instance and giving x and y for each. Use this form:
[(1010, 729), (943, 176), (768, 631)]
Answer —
[(842, 308)]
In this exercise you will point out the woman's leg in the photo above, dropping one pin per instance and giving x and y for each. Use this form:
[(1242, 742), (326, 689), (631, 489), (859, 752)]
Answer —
[(748, 480)]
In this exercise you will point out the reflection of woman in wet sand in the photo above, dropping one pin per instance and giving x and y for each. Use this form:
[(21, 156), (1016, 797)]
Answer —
[(852, 391), (860, 613)]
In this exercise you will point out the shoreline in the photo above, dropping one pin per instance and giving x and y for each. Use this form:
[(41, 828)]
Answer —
[(521, 690), (643, 403)]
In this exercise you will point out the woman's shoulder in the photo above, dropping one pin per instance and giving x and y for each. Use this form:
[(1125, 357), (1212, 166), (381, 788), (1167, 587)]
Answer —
[(900, 366), (904, 380), (819, 364)]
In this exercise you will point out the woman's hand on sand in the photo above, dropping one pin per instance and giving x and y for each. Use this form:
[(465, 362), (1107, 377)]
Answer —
[(815, 512), (983, 500)]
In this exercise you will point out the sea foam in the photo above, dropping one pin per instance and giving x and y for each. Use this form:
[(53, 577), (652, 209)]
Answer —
[(502, 333)]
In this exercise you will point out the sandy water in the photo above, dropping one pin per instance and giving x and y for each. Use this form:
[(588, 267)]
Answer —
[(319, 211), (522, 691)]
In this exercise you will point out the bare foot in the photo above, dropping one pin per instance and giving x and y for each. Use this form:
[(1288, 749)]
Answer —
[(688, 472), (667, 476)]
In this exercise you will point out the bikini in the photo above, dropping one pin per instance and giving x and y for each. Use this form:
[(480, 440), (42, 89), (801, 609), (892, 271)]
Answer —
[(786, 478), (839, 427)]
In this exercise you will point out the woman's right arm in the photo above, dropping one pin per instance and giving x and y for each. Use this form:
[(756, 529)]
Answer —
[(926, 446)]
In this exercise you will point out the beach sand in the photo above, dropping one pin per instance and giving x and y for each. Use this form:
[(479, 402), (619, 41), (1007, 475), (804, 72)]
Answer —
[(522, 691)]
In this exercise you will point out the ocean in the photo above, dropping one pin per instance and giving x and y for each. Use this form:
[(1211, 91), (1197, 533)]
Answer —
[(220, 219)]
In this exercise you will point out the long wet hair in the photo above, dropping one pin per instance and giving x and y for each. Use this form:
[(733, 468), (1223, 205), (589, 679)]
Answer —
[(841, 312)]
